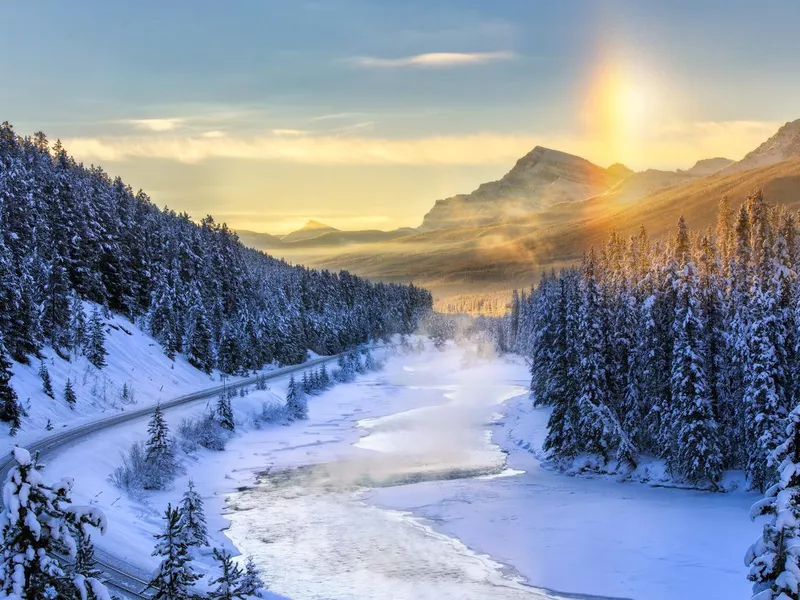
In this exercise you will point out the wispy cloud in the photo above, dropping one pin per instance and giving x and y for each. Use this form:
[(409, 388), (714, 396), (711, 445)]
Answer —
[(289, 132), (434, 60), (662, 146), (156, 124)]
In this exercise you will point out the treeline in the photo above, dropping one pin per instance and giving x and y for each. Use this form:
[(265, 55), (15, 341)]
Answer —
[(686, 349), (70, 232)]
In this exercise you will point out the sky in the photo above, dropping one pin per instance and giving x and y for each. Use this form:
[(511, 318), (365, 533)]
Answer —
[(360, 114)]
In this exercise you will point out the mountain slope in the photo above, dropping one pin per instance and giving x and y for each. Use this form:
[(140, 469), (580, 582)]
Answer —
[(539, 179), (784, 145)]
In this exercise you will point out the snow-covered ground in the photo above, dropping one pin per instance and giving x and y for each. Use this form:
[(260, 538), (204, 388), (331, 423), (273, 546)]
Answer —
[(337, 516), (135, 361)]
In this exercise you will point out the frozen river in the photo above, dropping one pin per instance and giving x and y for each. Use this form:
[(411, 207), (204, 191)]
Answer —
[(395, 490)]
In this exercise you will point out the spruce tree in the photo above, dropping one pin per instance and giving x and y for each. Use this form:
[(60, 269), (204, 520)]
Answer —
[(296, 404), (174, 579), (38, 522), (773, 558), (252, 584), (69, 394), (10, 410), (95, 349), (324, 378), (47, 383), (696, 456), (77, 325), (224, 412), (199, 349), (159, 452), (230, 580), (192, 518)]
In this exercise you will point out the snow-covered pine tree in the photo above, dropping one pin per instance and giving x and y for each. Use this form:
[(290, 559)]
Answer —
[(561, 389), (305, 384), (38, 521), (95, 349), (224, 412), (594, 435), (370, 364), (69, 394), (763, 400), (174, 579), (192, 517), (324, 378), (47, 383), (696, 454), (229, 583), (199, 350), (10, 410), (159, 452), (773, 558), (296, 403), (77, 325), (252, 584)]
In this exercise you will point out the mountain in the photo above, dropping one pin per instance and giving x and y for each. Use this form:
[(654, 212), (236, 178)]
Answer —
[(782, 146), (262, 241), (548, 210), (310, 230), (541, 178), (708, 166)]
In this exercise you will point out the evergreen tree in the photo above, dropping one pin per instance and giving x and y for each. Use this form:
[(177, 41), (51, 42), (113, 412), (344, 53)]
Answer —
[(192, 517), (174, 579), (47, 383), (229, 583), (296, 403), (224, 412), (696, 455), (77, 325), (10, 410), (38, 521), (69, 394), (199, 350), (159, 452), (252, 584), (324, 378), (773, 559), (305, 386), (95, 349)]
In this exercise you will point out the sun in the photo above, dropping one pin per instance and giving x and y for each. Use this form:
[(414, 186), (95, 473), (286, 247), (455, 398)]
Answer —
[(619, 109)]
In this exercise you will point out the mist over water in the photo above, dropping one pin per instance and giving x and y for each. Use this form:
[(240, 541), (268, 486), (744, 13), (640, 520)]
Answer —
[(314, 537)]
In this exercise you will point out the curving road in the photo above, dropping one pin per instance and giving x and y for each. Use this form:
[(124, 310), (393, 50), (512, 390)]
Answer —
[(116, 574)]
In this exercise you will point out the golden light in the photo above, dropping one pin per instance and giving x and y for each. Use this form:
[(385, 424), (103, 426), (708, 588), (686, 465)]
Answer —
[(619, 110)]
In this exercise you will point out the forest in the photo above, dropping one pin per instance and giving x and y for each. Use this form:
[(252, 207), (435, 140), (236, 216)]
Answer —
[(685, 349), (71, 234)]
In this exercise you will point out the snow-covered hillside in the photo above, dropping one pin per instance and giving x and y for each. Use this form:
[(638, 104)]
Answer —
[(137, 373)]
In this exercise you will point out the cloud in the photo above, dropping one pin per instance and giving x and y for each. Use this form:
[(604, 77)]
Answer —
[(214, 133), (289, 132), (156, 124), (668, 145), (434, 60)]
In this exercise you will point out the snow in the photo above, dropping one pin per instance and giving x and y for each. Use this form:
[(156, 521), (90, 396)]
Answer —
[(460, 505), (134, 360)]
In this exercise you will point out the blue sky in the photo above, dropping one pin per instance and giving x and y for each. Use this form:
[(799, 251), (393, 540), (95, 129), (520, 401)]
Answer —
[(363, 113)]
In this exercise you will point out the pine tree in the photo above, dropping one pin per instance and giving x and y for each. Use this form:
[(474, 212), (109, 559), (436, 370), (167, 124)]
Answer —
[(192, 517), (69, 394), (773, 559), (47, 383), (296, 404), (199, 350), (229, 583), (38, 522), (252, 584), (10, 410), (696, 456), (305, 386), (160, 452), (324, 378), (174, 579), (224, 412), (95, 345), (77, 325), (763, 399)]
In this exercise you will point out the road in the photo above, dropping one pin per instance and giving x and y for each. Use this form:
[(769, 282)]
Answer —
[(116, 574)]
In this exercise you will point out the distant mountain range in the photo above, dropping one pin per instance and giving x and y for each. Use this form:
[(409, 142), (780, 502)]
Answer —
[(545, 212)]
